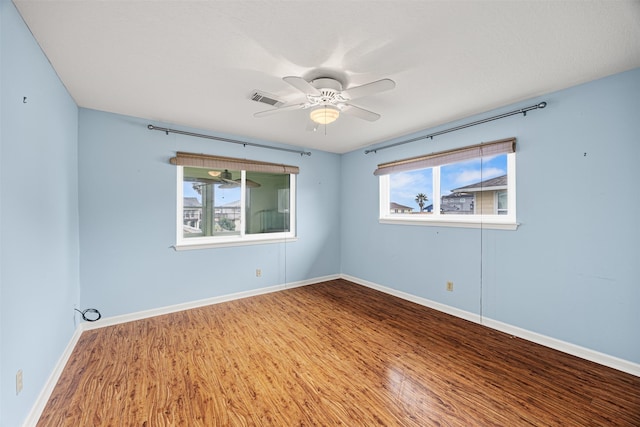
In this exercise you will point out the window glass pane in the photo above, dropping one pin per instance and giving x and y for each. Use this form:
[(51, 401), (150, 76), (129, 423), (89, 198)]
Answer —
[(469, 187), (502, 202), (411, 192), (211, 202), (267, 203)]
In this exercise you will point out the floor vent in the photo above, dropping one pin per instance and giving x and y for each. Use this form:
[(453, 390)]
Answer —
[(265, 98)]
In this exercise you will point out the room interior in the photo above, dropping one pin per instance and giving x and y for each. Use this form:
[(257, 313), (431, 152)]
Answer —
[(91, 221)]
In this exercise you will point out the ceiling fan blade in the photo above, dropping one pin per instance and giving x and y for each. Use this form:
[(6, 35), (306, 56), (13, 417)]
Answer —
[(369, 88), (360, 113), (280, 110), (302, 85), (237, 183)]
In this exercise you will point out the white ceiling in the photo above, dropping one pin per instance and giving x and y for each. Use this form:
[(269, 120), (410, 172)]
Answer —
[(195, 63)]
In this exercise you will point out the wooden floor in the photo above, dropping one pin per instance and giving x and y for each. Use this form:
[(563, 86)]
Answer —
[(329, 354)]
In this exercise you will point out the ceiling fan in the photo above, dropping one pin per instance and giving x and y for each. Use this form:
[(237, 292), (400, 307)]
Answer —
[(227, 181), (326, 99)]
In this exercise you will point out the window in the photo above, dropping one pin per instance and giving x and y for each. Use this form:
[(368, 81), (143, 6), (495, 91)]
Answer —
[(225, 201), (468, 187)]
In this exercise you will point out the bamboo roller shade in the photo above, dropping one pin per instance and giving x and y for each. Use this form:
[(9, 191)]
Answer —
[(218, 162), (486, 149)]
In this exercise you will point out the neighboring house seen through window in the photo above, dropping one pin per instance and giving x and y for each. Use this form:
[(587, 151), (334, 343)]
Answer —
[(225, 201), (468, 187)]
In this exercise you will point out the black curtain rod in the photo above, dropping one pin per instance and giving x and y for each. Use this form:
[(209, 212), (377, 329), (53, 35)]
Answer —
[(234, 141), (522, 111)]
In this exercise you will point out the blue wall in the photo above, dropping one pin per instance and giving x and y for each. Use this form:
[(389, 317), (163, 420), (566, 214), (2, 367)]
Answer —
[(88, 201), (39, 273), (571, 270), (128, 217)]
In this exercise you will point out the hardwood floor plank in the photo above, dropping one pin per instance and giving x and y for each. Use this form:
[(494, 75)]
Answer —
[(332, 354)]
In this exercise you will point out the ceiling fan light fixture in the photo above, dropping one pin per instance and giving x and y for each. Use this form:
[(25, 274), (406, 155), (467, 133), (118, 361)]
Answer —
[(325, 114), (221, 174)]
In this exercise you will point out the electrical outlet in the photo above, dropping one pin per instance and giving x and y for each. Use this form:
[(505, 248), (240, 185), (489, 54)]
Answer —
[(450, 286), (18, 381), (258, 272)]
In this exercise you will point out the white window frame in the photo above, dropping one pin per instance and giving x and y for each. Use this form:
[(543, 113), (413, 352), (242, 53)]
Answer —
[(241, 239), (498, 222)]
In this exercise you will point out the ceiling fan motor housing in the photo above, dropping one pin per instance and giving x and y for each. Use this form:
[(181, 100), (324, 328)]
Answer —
[(330, 92)]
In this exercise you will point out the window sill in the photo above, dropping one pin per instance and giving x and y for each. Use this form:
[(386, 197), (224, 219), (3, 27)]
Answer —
[(227, 243), (485, 223)]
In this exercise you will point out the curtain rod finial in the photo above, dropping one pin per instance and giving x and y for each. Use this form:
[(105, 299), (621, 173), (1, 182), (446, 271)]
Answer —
[(542, 105)]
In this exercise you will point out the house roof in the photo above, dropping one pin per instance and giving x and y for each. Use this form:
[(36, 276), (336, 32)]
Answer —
[(191, 202), (459, 195), (497, 183), (394, 205)]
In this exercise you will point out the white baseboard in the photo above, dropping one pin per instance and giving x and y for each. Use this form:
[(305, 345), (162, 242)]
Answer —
[(199, 303), (45, 393), (413, 298), (575, 350)]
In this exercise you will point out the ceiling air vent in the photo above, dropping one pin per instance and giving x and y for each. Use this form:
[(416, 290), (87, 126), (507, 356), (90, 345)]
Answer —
[(265, 98)]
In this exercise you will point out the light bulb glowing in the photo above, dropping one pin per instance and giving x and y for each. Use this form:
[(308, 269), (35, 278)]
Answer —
[(325, 114)]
